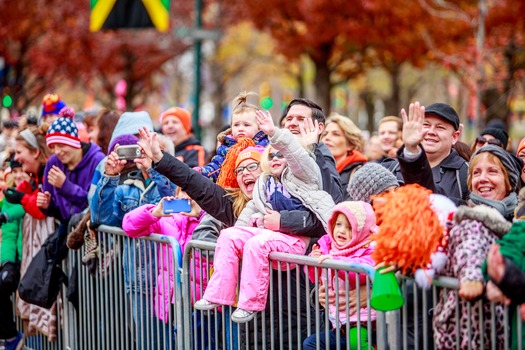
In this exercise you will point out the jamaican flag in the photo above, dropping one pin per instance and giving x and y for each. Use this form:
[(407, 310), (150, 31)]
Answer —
[(113, 14)]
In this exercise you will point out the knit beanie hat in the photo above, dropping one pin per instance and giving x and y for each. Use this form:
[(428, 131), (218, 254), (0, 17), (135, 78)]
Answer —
[(52, 104), (63, 131), (180, 113), (249, 153), (123, 140), (362, 219), (370, 180), (508, 160), (227, 178), (499, 134)]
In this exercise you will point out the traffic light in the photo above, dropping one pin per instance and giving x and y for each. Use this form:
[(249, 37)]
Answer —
[(7, 101), (265, 92), (114, 14)]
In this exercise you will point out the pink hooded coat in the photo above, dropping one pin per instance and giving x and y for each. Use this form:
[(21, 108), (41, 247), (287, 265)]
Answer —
[(139, 223), (361, 217)]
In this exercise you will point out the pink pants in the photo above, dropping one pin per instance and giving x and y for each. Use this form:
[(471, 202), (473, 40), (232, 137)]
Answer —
[(252, 245)]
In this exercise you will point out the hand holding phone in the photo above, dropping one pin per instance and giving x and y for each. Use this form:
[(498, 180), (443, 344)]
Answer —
[(128, 152), (175, 205)]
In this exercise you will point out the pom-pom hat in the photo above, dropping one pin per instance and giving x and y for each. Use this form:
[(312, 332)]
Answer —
[(52, 104), (63, 131)]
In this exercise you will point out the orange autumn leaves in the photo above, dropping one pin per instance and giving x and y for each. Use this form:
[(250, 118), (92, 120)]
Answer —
[(409, 230)]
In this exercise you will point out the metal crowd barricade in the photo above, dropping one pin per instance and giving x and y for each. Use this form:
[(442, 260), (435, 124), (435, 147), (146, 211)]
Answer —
[(293, 310), (411, 327), (118, 304), (106, 314)]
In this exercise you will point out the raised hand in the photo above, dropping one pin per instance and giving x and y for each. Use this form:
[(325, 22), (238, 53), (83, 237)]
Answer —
[(265, 121), (413, 132), (114, 165), (56, 177), (149, 144), (309, 131)]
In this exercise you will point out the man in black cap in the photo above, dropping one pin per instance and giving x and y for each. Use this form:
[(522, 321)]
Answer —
[(427, 157)]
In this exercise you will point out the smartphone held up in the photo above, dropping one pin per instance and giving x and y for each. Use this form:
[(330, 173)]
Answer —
[(128, 152), (176, 206)]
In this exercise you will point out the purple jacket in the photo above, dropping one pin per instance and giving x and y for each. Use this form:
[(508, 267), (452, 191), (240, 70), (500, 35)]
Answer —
[(71, 198)]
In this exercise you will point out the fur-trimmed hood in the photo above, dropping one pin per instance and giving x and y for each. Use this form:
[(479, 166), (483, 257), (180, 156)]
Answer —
[(490, 217)]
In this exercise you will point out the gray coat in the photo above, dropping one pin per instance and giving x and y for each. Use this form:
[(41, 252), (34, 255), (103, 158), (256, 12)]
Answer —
[(301, 178)]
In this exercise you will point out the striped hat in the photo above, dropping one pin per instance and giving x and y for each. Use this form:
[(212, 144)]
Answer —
[(63, 131)]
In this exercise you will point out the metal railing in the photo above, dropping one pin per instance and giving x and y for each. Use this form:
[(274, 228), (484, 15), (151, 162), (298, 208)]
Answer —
[(117, 306)]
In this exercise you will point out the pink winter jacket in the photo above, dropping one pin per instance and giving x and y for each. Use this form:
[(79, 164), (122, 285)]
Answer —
[(139, 223), (358, 250)]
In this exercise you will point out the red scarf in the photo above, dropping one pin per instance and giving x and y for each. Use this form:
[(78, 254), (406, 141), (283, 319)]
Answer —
[(353, 157)]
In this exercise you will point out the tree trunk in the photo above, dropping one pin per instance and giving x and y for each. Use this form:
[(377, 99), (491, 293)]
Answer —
[(368, 99), (322, 84), (496, 101), (393, 103)]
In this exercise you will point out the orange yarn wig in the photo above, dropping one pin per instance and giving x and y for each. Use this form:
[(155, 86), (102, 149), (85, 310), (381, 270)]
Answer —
[(409, 229), (226, 177)]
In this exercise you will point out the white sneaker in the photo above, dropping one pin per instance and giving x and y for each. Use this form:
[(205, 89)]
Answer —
[(205, 305), (242, 316)]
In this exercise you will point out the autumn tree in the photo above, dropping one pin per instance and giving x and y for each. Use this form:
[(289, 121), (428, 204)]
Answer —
[(45, 43)]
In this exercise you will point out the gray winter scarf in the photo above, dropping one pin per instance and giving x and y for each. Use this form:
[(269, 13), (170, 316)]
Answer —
[(505, 207)]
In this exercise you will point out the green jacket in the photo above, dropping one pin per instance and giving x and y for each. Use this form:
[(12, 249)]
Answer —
[(11, 232), (512, 246)]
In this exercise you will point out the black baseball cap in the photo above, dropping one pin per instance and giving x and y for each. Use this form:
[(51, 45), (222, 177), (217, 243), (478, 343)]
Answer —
[(445, 112)]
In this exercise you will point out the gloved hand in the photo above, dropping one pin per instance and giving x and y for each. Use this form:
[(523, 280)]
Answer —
[(9, 277), (3, 218), (13, 195)]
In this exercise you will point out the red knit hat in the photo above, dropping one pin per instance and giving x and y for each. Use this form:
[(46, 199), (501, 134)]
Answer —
[(63, 131), (180, 113)]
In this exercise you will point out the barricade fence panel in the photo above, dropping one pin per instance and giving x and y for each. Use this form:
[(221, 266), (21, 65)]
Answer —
[(138, 293)]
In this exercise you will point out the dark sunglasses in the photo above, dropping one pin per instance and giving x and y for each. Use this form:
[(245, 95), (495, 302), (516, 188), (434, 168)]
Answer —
[(250, 167), (480, 140), (272, 155)]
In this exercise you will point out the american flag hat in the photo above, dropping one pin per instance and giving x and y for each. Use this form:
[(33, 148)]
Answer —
[(63, 131)]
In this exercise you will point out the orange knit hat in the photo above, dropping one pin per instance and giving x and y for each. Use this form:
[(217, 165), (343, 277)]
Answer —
[(227, 178), (180, 113)]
